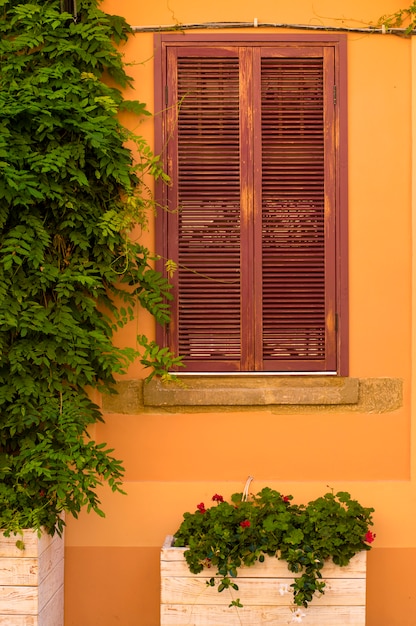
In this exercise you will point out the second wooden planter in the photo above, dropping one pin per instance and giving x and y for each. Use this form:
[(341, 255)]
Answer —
[(186, 600), (32, 580)]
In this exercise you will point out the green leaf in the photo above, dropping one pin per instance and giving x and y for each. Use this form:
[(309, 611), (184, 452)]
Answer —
[(71, 192)]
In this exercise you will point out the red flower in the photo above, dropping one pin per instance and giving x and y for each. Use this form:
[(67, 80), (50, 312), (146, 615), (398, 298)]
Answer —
[(201, 507), (245, 523), (217, 498), (369, 537), (285, 498)]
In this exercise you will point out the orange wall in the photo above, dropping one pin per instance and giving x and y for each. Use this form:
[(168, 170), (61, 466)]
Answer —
[(174, 460)]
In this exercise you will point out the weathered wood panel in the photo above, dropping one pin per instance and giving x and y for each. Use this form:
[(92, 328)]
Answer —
[(18, 571), (52, 612), (31, 581), (197, 615), (15, 599), (173, 563), (18, 620), (178, 590), (186, 598), (50, 585), (34, 546)]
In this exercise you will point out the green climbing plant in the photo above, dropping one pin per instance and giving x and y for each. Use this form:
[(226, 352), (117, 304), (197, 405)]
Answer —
[(71, 269), (402, 18)]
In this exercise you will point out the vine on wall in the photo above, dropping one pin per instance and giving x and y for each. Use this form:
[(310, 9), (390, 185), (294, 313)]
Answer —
[(402, 18), (70, 274)]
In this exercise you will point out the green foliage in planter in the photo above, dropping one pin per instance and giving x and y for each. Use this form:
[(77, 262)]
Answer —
[(71, 271), (244, 531)]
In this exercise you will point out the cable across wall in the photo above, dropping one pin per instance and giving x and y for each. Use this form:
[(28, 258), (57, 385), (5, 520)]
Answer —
[(369, 30)]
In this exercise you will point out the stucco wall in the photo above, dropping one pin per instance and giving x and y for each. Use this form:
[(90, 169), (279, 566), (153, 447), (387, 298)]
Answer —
[(176, 458)]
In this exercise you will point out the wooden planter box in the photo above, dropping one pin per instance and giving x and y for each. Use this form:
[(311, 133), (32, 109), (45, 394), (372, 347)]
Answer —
[(186, 600), (32, 581)]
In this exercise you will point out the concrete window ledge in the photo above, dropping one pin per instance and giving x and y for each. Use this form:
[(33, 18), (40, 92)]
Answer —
[(281, 394), (251, 391)]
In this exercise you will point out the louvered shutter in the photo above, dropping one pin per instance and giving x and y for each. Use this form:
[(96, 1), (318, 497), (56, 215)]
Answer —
[(250, 140), (297, 210), (205, 208)]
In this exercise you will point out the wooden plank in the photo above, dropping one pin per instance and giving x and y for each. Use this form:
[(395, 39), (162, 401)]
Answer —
[(34, 546), (271, 568), (52, 554), (255, 591), (19, 571), (197, 615), (8, 546), (15, 600), (52, 613), (50, 585), (173, 563), (168, 543), (18, 620), (30, 571)]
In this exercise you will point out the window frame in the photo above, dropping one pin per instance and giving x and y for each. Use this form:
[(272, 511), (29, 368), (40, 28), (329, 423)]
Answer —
[(338, 42)]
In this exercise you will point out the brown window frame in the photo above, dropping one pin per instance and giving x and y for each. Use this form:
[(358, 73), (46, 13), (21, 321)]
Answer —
[(167, 47)]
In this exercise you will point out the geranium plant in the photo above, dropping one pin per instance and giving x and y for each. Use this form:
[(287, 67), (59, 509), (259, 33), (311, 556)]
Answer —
[(229, 535)]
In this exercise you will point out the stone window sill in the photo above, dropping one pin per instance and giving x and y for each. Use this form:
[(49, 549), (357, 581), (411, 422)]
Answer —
[(280, 394), (251, 391)]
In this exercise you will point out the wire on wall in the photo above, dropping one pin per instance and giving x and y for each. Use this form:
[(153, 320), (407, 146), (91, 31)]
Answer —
[(382, 30)]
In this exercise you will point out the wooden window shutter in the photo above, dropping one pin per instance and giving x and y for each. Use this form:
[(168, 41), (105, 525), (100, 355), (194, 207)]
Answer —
[(298, 210), (250, 134), (204, 220)]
